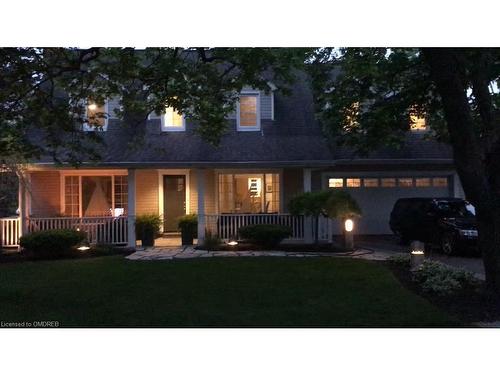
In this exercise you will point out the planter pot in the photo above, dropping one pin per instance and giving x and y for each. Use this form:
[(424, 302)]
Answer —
[(148, 238), (187, 237)]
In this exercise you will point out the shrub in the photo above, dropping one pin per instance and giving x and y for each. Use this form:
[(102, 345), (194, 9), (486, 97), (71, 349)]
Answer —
[(212, 242), (265, 234), (402, 260), (188, 224), (52, 243), (435, 277), (147, 224)]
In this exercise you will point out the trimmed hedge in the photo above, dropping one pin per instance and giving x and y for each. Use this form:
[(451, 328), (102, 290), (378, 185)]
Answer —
[(269, 235), (53, 243)]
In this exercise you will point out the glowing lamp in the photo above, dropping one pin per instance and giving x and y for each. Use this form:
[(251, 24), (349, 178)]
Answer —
[(232, 243), (92, 106), (349, 225), (417, 254), (83, 248)]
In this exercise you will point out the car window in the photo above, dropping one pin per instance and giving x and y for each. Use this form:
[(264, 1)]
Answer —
[(452, 209)]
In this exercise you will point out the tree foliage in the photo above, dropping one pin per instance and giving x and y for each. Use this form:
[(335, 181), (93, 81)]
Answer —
[(44, 91)]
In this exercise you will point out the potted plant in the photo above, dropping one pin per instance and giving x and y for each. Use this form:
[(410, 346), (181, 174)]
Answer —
[(188, 225), (147, 228)]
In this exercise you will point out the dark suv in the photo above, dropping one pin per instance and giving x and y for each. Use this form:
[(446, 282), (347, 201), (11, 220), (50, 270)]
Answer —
[(445, 222)]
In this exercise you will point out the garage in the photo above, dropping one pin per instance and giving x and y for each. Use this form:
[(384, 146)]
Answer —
[(377, 195)]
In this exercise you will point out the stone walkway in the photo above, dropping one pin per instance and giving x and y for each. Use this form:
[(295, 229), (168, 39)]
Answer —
[(189, 252)]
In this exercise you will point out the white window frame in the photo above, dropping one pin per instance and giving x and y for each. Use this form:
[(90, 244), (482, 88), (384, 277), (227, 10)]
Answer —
[(89, 128), (247, 128), (86, 173), (169, 128)]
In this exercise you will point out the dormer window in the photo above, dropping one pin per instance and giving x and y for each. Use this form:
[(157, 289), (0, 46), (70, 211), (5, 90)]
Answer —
[(248, 112), (172, 120), (96, 116), (417, 123)]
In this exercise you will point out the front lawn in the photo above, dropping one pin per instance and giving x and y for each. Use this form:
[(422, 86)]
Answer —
[(216, 292)]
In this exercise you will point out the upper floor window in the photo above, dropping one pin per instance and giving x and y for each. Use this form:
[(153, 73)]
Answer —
[(172, 120), (96, 116), (248, 114)]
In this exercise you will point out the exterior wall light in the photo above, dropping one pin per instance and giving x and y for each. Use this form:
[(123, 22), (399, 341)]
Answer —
[(349, 225), (92, 107)]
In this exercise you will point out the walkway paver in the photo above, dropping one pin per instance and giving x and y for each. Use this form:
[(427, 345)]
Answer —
[(189, 252)]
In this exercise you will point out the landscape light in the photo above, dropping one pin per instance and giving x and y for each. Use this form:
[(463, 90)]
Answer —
[(232, 243), (349, 225), (83, 248)]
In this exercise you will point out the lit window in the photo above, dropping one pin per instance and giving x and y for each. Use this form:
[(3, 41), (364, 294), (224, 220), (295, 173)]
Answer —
[(440, 182), (370, 182), (388, 182), (405, 182), (249, 193), (351, 116), (417, 123), (353, 182), (335, 182), (249, 112), (91, 196), (96, 116), (172, 120), (422, 182)]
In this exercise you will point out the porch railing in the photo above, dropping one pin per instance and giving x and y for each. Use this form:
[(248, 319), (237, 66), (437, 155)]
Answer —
[(9, 231), (109, 230), (226, 226)]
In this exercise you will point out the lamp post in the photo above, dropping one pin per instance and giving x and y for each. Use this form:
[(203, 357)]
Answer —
[(417, 254), (348, 234)]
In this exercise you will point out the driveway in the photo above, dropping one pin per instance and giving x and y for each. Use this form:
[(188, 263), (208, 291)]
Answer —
[(390, 244)]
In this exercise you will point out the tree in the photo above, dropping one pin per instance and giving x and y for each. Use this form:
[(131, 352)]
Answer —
[(327, 203), (366, 97), (44, 91)]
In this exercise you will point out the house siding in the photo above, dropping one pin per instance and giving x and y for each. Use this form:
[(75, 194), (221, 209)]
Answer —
[(45, 191), (293, 184), (146, 192)]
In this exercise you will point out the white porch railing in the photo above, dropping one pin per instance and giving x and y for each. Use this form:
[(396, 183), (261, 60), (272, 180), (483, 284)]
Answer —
[(109, 230), (226, 226), (9, 231)]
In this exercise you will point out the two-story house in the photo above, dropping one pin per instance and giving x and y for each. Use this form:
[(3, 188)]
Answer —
[(273, 150)]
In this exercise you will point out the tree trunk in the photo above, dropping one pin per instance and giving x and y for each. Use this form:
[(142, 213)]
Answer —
[(474, 166)]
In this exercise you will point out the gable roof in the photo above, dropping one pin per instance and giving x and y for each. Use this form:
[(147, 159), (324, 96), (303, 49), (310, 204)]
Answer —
[(294, 138)]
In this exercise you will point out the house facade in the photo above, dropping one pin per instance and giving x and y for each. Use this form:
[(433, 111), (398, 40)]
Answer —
[(273, 150)]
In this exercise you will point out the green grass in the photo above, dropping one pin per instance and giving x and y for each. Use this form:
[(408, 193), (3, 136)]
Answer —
[(216, 292)]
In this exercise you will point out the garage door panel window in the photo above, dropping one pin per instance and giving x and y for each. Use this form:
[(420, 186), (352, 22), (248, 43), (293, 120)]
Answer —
[(423, 182), (335, 182), (388, 182), (405, 182), (353, 182), (440, 182), (370, 182)]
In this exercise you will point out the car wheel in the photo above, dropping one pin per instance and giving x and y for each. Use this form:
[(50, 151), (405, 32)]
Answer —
[(448, 243)]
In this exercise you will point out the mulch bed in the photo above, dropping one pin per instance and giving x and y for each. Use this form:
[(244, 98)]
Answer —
[(282, 247), (24, 256), (469, 306)]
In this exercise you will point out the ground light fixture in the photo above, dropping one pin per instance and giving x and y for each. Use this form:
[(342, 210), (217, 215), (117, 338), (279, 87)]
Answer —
[(83, 246), (417, 253), (348, 234), (232, 243)]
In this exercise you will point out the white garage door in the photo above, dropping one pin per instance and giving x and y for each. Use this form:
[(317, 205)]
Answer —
[(376, 196)]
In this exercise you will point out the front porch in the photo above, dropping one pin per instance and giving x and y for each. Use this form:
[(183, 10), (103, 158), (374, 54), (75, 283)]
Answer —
[(105, 203)]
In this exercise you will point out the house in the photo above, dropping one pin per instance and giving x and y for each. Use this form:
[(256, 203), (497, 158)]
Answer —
[(273, 150)]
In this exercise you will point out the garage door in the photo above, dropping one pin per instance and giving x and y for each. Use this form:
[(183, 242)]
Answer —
[(376, 196)]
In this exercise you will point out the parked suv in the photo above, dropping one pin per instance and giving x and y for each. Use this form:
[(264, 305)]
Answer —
[(445, 222)]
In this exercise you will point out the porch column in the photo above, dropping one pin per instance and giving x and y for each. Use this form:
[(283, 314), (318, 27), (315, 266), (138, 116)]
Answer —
[(23, 210), (308, 230), (200, 180), (131, 209)]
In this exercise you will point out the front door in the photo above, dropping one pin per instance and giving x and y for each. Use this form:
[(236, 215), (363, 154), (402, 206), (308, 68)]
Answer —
[(174, 201)]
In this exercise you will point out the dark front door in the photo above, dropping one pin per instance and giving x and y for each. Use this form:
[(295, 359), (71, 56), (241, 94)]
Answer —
[(174, 201)]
